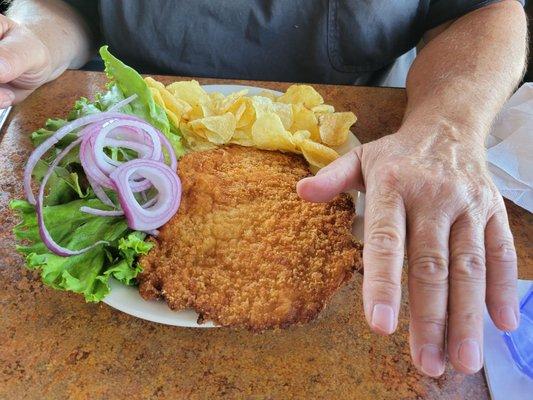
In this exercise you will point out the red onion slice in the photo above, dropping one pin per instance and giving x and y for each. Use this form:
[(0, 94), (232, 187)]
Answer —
[(98, 165), (123, 103), (41, 150), (43, 231), (101, 213), (163, 178), (173, 161), (113, 129), (143, 150), (89, 163), (140, 127), (130, 134), (100, 193), (114, 213)]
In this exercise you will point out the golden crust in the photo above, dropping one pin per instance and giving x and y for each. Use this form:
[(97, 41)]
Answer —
[(244, 249)]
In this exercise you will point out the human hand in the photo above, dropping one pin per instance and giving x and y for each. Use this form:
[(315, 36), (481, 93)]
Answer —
[(433, 193), (24, 62)]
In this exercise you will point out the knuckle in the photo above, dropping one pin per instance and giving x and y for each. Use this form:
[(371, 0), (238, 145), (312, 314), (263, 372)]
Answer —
[(388, 175), (430, 322), (468, 318), (479, 192), (385, 242), (498, 204), (468, 266), (382, 290), (429, 269), (502, 288), (502, 252), (383, 282), (456, 190)]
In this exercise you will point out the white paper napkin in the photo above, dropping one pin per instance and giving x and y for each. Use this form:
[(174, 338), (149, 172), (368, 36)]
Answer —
[(510, 148)]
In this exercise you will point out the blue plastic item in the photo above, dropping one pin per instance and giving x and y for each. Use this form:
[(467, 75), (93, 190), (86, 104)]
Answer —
[(520, 342)]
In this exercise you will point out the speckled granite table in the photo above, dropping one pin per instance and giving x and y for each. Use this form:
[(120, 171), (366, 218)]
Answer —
[(55, 346)]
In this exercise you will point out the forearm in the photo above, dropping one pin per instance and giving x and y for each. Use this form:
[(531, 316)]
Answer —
[(462, 77), (60, 28)]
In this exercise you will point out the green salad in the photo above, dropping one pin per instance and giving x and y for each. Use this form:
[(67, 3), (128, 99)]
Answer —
[(68, 190)]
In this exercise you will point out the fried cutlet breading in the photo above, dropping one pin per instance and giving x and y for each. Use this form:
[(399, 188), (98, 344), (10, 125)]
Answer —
[(244, 249)]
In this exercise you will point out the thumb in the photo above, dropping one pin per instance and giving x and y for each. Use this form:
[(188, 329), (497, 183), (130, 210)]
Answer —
[(15, 56), (341, 175)]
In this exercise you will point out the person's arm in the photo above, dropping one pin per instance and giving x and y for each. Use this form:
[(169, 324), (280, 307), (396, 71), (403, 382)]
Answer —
[(39, 40), (427, 186)]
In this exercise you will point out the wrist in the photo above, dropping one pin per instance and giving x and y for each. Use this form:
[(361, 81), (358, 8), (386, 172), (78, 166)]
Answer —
[(438, 127)]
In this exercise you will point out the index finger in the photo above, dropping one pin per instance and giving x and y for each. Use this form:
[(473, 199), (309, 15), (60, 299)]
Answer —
[(383, 258)]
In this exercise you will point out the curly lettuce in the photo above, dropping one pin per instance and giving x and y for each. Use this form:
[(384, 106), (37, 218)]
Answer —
[(86, 273)]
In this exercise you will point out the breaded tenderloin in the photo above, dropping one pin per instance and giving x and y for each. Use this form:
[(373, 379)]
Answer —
[(243, 249)]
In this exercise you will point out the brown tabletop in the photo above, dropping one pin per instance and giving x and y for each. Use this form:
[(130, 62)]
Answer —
[(55, 346)]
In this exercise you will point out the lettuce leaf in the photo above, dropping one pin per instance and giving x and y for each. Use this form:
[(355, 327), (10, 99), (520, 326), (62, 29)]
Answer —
[(63, 185), (131, 82), (87, 273), (104, 101), (51, 125)]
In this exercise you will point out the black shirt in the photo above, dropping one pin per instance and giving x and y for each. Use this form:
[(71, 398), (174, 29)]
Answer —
[(334, 41)]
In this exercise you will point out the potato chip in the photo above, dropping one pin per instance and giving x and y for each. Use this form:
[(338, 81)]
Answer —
[(238, 109), (189, 91), (298, 121), (268, 133), (152, 83), (158, 98), (242, 137), (268, 94), (304, 94), (217, 129), (193, 141), (177, 106), (304, 119), (225, 103), (298, 136), (206, 108), (218, 104), (317, 154), (244, 112), (323, 109), (196, 112), (334, 127), (174, 107), (264, 105), (284, 112), (215, 96)]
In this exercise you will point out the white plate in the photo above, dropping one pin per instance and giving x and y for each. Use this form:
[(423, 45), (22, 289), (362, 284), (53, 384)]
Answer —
[(127, 298)]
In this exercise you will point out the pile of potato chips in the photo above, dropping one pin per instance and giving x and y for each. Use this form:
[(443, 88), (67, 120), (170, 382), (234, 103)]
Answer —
[(297, 121)]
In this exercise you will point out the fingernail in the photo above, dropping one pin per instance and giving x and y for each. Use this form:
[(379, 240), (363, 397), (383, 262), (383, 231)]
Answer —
[(470, 355), (508, 318), (383, 318), (431, 360)]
